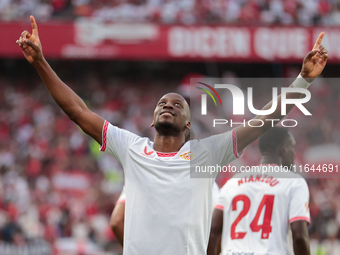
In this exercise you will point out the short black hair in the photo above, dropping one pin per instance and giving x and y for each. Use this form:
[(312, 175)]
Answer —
[(272, 139)]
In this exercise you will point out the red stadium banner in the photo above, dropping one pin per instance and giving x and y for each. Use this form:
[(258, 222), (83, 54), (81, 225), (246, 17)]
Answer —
[(86, 39)]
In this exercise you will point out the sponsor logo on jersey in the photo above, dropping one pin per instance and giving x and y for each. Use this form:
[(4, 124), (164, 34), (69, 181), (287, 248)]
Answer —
[(186, 156), (146, 152)]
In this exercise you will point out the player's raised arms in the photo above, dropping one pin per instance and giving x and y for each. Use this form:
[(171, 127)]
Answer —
[(312, 66), (65, 97)]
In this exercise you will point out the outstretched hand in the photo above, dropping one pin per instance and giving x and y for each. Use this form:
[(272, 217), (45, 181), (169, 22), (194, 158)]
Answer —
[(315, 61), (30, 43)]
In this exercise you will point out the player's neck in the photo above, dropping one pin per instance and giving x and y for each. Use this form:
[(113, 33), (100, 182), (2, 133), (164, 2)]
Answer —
[(271, 159), (168, 143)]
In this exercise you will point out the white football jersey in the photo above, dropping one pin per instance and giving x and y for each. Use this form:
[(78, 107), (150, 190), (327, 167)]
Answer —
[(215, 194), (257, 210), (122, 197), (166, 211)]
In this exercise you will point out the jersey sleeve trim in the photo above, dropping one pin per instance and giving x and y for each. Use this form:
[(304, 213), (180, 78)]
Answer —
[(237, 155), (104, 133), (299, 218), (119, 201), (220, 207)]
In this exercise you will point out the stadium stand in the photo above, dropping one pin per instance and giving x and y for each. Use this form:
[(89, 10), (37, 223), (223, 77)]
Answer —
[(57, 191), (55, 185), (310, 12)]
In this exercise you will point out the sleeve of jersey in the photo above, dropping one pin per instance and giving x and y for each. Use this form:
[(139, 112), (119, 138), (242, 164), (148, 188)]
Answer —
[(299, 203), (223, 147), (116, 141), (221, 201), (216, 193), (121, 198)]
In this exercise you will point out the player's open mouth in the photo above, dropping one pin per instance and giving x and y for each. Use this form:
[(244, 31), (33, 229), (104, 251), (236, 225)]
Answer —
[(167, 113)]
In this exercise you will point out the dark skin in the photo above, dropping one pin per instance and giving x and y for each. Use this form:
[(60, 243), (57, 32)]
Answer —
[(300, 237), (174, 109), (215, 232), (92, 124), (284, 155), (117, 222)]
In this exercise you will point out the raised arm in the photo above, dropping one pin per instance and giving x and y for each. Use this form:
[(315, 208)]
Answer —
[(312, 66), (65, 97)]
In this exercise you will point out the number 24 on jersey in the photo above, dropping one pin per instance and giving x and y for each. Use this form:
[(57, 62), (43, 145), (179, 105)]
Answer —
[(267, 202)]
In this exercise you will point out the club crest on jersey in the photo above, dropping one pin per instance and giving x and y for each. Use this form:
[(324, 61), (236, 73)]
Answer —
[(186, 156)]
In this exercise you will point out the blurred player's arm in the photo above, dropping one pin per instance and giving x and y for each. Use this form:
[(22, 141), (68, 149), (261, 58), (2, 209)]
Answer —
[(215, 232), (65, 97), (312, 66), (300, 237), (117, 221), (299, 215)]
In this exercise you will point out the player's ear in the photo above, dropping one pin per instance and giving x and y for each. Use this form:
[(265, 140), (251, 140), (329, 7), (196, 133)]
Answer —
[(188, 125), (152, 124), (283, 150)]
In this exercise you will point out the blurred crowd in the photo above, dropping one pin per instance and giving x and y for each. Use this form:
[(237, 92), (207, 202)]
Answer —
[(288, 12), (56, 186)]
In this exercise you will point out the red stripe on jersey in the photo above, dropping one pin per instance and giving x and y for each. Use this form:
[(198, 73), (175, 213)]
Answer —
[(299, 218), (235, 143), (106, 125), (120, 201), (161, 154), (220, 207)]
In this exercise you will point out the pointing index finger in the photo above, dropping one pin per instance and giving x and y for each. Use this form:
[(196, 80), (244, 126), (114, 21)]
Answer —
[(34, 25), (318, 41)]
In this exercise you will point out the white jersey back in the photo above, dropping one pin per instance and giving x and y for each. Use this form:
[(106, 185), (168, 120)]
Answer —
[(257, 210), (166, 211)]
